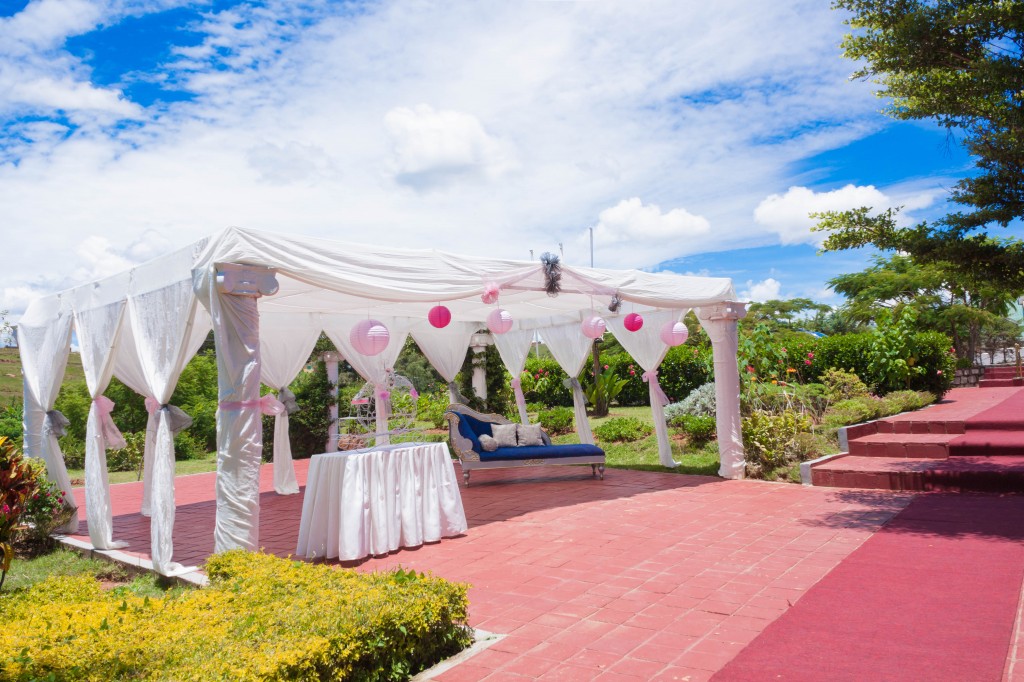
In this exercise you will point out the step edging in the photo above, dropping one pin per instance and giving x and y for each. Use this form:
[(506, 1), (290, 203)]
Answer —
[(805, 467)]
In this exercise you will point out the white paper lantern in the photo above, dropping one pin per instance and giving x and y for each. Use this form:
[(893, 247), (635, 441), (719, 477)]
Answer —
[(594, 327), (499, 321), (369, 337), (674, 333)]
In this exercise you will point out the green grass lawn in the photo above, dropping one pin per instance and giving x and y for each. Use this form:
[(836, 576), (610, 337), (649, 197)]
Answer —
[(10, 373), (26, 572), (182, 468)]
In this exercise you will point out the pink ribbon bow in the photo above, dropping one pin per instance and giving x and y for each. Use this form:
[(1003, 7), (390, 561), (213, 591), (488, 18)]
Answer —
[(517, 383), (651, 377), (111, 435), (152, 405), (268, 404)]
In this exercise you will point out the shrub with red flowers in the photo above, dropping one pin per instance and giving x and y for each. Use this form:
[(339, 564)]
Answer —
[(46, 509), (17, 484)]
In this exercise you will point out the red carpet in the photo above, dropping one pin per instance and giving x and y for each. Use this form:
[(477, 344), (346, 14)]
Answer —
[(932, 596), (998, 431)]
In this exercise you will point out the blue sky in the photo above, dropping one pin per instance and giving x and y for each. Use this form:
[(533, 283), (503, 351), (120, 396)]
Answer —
[(691, 138)]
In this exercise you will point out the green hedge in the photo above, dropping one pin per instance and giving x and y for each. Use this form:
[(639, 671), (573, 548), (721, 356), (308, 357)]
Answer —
[(853, 353), (261, 618)]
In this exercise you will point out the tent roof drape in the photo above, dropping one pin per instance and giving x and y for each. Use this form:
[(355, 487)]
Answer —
[(323, 276)]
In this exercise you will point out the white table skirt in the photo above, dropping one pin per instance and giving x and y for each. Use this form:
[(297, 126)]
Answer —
[(373, 501)]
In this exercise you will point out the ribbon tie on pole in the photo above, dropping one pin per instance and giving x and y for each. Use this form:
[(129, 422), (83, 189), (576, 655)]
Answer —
[(179, 419), (516, 383), (111, 434), (651, 377), (268, 404)]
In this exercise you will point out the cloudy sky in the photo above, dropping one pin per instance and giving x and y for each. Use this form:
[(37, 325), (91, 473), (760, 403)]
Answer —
[(689, 136)]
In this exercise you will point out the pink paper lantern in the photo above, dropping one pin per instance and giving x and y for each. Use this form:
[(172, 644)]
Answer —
[(439, 316), (369, 337), (499, 321), (633, 322), (593, 327), (674, 333)]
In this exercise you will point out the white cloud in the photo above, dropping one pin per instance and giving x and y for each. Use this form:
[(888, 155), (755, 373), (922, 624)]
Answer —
[(788, 215), (765, 290), (527, 122), (633, 233), (433, 148)]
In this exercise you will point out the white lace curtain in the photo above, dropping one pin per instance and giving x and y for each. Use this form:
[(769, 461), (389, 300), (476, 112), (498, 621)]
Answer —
[(647, 348), (44, 341), (571, 348), (446, 349), (514, 347), (286, 341)]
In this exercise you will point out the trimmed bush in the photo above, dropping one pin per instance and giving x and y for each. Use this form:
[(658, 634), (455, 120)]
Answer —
[(623, 429), (771, 440), (557, 420), (840, 385), (700, 403), (699, 430), (928, 353), (261, 618)]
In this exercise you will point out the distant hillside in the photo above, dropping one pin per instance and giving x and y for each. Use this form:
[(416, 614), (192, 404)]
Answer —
[(10, 373)]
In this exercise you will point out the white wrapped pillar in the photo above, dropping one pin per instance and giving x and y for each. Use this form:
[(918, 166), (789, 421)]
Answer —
[(236, 331), (719, 321), (330, 360)]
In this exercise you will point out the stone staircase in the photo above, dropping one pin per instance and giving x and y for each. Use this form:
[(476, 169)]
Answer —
[(972, 440), (1001, 376)]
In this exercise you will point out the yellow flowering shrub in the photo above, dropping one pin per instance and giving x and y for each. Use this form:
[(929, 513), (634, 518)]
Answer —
[(261, 618)]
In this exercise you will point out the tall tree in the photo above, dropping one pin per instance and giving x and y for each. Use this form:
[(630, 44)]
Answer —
[(961, 64)]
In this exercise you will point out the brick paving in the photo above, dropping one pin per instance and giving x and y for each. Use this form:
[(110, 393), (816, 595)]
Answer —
[(650, 576)]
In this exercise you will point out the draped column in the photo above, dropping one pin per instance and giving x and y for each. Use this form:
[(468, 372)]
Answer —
[(236, 331), (44, 341), (720, 322)]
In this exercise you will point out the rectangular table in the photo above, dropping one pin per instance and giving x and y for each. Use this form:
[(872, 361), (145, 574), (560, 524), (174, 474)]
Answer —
[(370, 502)]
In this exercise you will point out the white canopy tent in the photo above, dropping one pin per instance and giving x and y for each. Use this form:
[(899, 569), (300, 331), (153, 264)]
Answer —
[(268, 294)]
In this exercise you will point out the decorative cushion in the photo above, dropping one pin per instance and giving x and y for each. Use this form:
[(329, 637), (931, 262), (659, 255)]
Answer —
[(543, 452), (488, 443), (529, 434), (467, 432), (505, 435)]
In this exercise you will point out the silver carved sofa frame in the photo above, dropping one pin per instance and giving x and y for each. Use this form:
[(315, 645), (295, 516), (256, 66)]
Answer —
[(470, 458)]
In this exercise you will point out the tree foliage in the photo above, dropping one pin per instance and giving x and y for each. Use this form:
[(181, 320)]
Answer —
[(961, 64)]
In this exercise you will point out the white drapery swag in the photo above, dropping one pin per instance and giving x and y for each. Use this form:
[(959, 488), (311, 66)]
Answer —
[(162, 333), (372, 368), (514, 347), (570, 348), (446, 349), (44, 341), (647, 348), (97, 330), (286, 341)]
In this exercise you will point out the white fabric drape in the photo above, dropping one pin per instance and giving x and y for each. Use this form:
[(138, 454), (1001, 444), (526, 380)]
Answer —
[(161, 324), (647, 348), (97, 330), (721, 329), (571, 348), (372, 368), (514, 347), (286, 342), (371, 502), (236, 328), (44, 341), (446, 349), (129, 369)]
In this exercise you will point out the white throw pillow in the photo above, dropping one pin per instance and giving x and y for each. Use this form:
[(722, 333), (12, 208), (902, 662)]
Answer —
[(529, 434), (504, 434), (488, 443)]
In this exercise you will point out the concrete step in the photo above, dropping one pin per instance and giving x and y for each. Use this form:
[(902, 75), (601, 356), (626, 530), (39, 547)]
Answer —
[(967, 474), (1001, 372), (902, 445), (988, 443), (1000, 383)]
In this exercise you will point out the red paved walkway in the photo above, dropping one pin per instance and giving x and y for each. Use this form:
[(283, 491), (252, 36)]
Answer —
[(640, 576)]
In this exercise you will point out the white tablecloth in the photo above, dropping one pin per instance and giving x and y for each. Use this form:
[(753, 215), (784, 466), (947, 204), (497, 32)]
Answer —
[(373, 501)]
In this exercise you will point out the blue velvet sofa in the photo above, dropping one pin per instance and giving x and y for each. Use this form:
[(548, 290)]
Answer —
[(466, 425)]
